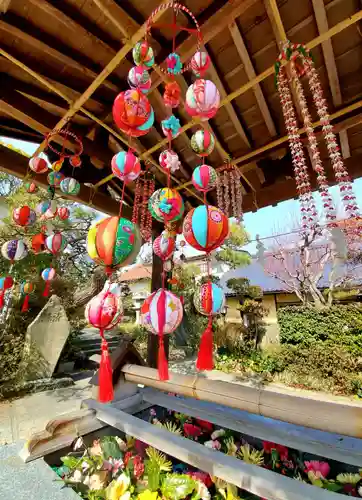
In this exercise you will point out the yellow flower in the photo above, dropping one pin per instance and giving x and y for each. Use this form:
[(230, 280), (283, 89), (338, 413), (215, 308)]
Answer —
[(148, 495), (348, 478), (118, 488)]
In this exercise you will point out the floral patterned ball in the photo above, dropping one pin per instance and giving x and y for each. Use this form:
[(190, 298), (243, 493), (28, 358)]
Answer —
[(142, 54), (203, 142), (150, 310), (166, 205), (139, 78), (202, 99), (205, 228)]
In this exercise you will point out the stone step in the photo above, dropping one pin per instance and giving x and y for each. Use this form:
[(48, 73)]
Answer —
[(96, 342), (97, 350)]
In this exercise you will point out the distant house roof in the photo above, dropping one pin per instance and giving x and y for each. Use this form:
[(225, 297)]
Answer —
[(135, 273), (256, 275)]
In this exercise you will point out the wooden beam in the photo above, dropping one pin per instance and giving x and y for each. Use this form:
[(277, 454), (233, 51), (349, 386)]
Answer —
[(338, 28), (63, 59), (250, 71), (228, 106), (118, 16), (4, 6), (16, 164), (115, 61), (327, 48)]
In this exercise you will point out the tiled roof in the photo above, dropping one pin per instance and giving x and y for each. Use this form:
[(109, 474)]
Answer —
[(135, 273), (256, 275)]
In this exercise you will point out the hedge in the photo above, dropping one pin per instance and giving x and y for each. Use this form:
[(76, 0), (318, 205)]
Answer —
[(338, 325)]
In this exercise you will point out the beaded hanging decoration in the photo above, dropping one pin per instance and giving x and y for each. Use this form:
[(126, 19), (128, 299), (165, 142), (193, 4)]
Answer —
[(229, 193), (145, 187), (301, 63)]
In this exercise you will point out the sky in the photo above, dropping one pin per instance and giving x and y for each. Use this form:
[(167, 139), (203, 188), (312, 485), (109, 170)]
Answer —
[(267, 221)]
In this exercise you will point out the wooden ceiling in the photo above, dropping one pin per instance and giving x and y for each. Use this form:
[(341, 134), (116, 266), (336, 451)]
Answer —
[(66, 60)]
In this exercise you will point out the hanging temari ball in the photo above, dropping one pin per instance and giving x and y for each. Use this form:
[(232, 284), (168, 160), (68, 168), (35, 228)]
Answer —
[(143, 54), (113, 242), (24, 216), (202, 142), (139, 78), (204, 178), (133, 113), (209, 299), (164, 245), (205, 228), (55, 178), (63, 213), (38, 165), (14, 250), (200, 62), (166, 205), (69, 185), (55, 243), (30, 187), (47, 209), (126, 166), (169, 160), (202, 99), (48, 275)]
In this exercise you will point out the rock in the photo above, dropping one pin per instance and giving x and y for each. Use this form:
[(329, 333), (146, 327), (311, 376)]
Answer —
[(44, 341), (22, 388)]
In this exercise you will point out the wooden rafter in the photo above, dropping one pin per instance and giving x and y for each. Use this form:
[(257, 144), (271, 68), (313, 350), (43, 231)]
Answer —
[(327, 48), (250, 71), (115, 61)]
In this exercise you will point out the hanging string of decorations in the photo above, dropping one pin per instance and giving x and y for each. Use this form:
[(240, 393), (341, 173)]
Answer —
[(229, 192), (301, 63)]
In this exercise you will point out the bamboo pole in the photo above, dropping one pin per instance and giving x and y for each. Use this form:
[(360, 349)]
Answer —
[(317, 412)]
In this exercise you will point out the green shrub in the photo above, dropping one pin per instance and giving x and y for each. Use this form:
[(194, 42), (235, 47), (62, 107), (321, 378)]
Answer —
[(338, 325)]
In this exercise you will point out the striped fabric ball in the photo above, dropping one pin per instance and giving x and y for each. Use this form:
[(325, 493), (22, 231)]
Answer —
[(30, 187), (113, 242), (63, 213), (139, 78), (24, 216), (164, 245), (142, 54), (48, 274), (55, 178), (163, 309), (209, 299), (47, 209), (38, 165), (6, 282), (27, 287), (69, 185), (205, 228), (202, 99), (104, 311), (126, 166), (204, 178), (202, 142), (14, 250), (55, 243), (200, 62)]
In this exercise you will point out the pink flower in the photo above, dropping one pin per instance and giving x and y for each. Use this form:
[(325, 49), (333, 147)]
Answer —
[(216, 445), (192, 430), (201, 476), (319, 469)]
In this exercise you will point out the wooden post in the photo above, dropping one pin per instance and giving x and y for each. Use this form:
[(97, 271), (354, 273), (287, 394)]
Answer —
[(156, 283)]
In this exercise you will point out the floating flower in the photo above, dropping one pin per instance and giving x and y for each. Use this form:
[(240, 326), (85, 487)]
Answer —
[(174, 64), (148, 495), (348, 478), (205, 425), (218, 433), (118, 487), (201, 476), (98, 480), (319, 469), (191, 430)]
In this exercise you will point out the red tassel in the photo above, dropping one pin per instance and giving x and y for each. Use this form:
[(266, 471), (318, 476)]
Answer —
[(205, 359), (2, 293), (25, 307), (162, 362), (46, 289), (105, 394)]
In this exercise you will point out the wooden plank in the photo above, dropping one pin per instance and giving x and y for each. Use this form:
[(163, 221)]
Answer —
[(250, 71), (327, 48), (118, 16), (252, 478), (331, 414), (4, 5), (334, 446)]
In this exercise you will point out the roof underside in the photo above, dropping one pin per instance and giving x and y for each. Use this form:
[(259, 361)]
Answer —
[(52, 52)]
